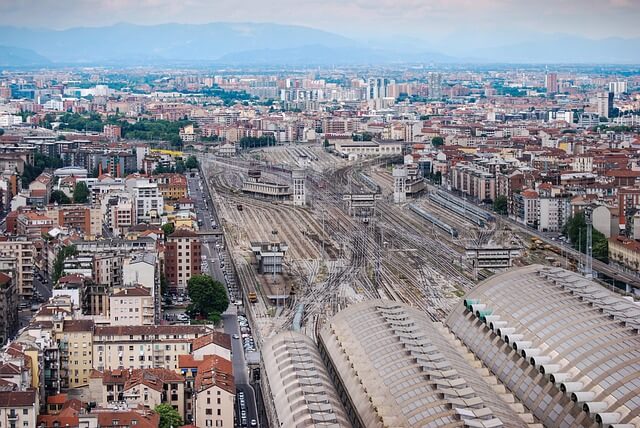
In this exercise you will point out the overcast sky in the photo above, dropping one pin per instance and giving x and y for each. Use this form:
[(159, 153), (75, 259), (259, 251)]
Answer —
[(421, 19)]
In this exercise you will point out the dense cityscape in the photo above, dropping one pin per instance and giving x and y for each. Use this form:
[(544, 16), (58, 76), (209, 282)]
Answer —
[(352, 244)]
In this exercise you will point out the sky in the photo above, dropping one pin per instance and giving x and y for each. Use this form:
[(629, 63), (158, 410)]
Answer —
[(366, 19)]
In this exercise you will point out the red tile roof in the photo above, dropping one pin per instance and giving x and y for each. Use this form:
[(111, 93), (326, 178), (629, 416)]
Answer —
[(13, 399), (133, 292), (220, 339)]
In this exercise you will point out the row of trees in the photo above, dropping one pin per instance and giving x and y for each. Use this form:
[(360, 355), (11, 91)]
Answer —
[(160, 130)]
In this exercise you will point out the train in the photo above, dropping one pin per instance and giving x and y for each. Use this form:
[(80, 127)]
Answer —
[(466, 205), (432, 219), (462, 211), (370, 182)]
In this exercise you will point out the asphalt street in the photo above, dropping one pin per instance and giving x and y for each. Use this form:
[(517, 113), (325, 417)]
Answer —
[(206, 214)]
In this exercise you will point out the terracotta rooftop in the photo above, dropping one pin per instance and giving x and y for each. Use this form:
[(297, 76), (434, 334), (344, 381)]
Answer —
[(13, 399), (76, 326), (183, 233), (220, 339), (150, 330), (210, 375), (133, 292)]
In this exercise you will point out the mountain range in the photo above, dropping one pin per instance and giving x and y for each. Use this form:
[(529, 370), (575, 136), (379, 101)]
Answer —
[(275, 44)]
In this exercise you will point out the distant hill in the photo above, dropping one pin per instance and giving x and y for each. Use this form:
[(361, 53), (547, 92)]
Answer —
[(275, 44), (19, 57), (171, 42)]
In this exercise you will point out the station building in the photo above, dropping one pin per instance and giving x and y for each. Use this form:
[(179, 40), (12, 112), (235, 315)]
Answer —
[(567, 347)]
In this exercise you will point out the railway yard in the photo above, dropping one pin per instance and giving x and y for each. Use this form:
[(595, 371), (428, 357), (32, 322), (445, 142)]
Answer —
[(334, 259)]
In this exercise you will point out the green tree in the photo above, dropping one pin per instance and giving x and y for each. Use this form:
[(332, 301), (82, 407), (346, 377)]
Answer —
[(81, 193), (437, 141), (500, 205), (207, 296), (40, 163), (58, 263), (169, 417), (59, 197), (180, 166), (576, 231), (191, 162), (326, 143), (168, 229), (1, 131), (214, 317)]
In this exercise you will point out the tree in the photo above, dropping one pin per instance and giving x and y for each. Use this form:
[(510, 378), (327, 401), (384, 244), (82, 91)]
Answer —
[(191, 162), (164, 286), (59, 197), (58, 263), (1, 131), (500, 205), (576, 231), (207, 296), (326, 143), (168, 229), (40, 163), (180, 166), (169, 417), (437, 141), (81, 193)]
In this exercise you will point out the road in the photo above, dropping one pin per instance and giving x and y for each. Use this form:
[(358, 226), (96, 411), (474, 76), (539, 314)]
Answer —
[(205, 212)]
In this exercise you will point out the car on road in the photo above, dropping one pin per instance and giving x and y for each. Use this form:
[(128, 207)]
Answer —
[(235, 336), (253, 423)]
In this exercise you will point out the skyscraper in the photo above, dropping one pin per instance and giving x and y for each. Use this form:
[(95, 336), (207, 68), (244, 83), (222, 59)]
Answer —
[(618, 87), (435, 85), (551, 83), (604, 103), (377, 88)]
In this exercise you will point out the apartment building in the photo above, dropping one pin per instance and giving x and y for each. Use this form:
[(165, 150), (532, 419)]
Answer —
[(82, 218), (74, 339), (473, 180), (625, 252), (182, 257), (19, 408), (33, 225), (149, 205), (131, 306), (20, 249), (146, 387), (118, 213), (214, 393), (526, 207), (8, 308), (553, 213), (171, 186), (138, 347)]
